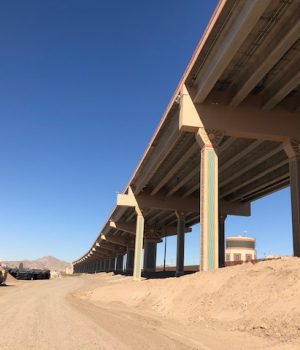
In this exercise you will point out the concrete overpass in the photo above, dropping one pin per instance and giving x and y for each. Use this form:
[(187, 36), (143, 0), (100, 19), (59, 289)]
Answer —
[(230, 135)]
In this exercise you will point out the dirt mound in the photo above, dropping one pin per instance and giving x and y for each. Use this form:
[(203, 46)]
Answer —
[(10, 279), (262, 299)]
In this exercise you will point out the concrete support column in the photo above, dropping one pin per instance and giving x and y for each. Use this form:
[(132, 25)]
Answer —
[(107, 265), (129, 200), (150, 249), (222, 219), (129, 260), (138, 250), (295, 202), (119, 266), (112, 262), (292, 148), (180, 244), (209, 198)]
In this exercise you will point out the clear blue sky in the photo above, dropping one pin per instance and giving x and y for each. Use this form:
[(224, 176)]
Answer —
[(83, 85)]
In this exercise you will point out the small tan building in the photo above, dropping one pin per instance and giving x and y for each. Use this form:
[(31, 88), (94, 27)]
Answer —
[(240, 249)]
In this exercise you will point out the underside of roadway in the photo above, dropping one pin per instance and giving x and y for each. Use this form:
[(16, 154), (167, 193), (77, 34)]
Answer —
[(62, 314)]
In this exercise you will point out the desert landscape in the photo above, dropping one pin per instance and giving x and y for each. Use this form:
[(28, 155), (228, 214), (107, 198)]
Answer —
[(249, 306), (155, 146), (45, 262)]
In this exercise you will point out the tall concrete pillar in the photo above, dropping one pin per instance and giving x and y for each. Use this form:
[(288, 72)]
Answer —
[(119, 266), (292, 148), (222, 219), (209, 198), (138, 249), (150, 249), (180, 244), (129, 260)]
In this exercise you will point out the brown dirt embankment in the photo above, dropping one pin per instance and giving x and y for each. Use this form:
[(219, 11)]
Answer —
[(260, 299)]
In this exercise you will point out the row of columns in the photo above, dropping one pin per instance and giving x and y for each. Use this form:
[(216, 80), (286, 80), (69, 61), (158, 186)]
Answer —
[(212, 223), (116, 264)]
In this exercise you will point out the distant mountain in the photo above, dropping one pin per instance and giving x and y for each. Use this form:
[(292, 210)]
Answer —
[(46, 262)]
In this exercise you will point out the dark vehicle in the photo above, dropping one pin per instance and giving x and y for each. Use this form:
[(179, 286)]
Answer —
[(30, 274), (13, 272)]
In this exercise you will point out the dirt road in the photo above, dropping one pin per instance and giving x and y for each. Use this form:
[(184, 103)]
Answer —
[(50, 315)]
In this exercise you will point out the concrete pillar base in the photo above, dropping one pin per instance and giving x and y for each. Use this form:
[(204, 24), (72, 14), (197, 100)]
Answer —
[(129, 261), (180, 244), (222, 240), (150, 249), (112, 264), (119, 266)]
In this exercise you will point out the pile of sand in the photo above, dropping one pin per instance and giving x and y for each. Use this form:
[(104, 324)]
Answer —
[(263, 299)]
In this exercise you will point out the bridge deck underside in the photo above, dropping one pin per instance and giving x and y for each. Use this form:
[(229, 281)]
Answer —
[(249, 56)]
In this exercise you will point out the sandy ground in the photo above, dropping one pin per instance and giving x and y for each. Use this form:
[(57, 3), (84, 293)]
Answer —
[(242, 307)]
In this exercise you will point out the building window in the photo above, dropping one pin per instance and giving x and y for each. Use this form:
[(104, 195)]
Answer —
[(237, 257), (248, 257), (227, 257)]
